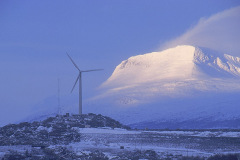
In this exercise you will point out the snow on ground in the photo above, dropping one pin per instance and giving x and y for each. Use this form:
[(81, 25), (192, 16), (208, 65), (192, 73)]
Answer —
[(186, 143), (165, 143), (230, 134), (107, 130), (200, 133)]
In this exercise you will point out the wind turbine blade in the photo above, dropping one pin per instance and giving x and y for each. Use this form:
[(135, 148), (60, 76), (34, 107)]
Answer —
[(75, 83), (73, 62), (92, 70)]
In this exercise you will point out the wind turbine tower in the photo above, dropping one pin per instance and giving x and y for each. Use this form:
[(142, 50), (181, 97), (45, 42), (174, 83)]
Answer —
[(79, 79), (59, 106)]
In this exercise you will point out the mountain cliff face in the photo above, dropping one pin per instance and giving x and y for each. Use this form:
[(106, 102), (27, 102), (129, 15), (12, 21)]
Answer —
[(180, 83)]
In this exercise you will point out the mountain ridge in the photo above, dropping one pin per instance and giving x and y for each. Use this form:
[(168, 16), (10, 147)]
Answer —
[(172, 63), (157, 73)]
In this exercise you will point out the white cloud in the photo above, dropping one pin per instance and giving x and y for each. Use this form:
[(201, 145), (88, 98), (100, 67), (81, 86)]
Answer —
[(220, 32)]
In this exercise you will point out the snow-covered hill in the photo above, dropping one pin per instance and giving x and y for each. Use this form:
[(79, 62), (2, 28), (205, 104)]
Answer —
[(177, 84), (61, 129)]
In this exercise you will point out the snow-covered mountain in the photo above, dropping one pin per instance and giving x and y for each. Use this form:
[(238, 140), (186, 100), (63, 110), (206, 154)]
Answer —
[(177, 84), (179, 63)]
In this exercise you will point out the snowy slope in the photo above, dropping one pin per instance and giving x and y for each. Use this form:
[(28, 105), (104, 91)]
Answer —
[(180, 83), (175, 72), (181, 62)]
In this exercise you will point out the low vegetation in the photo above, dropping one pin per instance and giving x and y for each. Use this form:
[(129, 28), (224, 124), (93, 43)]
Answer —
[(54, 130), (61, 152)]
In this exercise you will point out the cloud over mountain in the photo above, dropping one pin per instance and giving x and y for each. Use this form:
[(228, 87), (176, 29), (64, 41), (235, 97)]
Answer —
[(219, 32)]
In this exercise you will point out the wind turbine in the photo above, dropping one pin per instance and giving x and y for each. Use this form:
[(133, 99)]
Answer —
[(79, 78)]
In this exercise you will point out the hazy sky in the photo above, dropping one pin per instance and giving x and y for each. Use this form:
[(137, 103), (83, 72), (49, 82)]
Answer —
[(36, 34)]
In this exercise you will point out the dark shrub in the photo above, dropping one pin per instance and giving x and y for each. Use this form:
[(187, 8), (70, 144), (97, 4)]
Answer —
[(13, 155), (224, 157), (191, 158), (97, 156)]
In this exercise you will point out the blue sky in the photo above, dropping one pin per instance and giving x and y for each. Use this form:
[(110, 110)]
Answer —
[(36, 34)]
